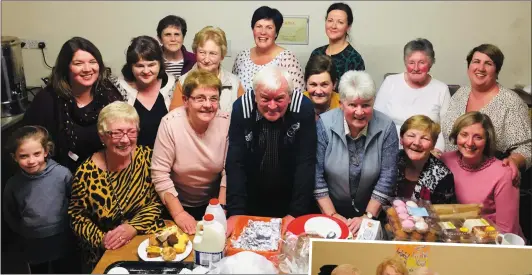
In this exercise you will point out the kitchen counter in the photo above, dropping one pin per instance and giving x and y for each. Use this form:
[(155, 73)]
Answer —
[(11, 120)]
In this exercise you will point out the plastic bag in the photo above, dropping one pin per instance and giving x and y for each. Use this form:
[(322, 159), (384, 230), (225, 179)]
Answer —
[(245, 262), (294, 256)]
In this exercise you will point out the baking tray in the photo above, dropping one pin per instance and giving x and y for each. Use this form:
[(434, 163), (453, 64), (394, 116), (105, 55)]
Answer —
[(140, 267)]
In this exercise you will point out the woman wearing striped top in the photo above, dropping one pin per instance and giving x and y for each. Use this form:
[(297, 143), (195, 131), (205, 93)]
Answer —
[(171, 32)]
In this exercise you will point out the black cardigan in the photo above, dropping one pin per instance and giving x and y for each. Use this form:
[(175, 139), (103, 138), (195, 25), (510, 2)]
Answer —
[(48, 110), (246, 193)]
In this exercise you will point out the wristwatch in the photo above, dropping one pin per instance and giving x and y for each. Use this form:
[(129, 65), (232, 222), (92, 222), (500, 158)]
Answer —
[(369, 215)]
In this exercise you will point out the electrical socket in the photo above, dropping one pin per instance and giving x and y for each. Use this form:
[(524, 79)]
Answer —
[(31, 44)]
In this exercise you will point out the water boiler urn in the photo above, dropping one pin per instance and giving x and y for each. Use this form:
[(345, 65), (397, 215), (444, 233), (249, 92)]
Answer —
[(14, 93)]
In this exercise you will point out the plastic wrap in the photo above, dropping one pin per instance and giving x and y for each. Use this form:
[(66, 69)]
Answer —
[(412, 220), (245, 262), (294, 256)]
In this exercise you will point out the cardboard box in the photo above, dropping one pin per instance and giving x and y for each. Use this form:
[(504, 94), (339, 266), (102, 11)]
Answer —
[(369, 230)]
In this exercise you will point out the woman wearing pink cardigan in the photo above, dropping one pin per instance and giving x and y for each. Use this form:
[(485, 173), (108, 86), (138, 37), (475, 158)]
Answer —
[(189, 152), (478, 176)]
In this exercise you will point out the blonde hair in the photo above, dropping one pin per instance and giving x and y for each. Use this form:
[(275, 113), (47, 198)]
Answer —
[(271, 77), (356, 84), (116, 111), (200, 79), (471, 118), (422, 123), (215, 34), (345, 269), (394, 262)]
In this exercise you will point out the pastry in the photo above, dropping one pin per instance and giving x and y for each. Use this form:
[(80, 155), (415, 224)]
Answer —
[(163, 235), (168, 254), (397, 203), (391, 212), (407, 225), (172, 240), (153, 251), (180, 247), (183, 238), (418, 219), (400, 235), (416, 236), (401, 210), (421, 227), (411, 204), (388, 227), (404, 216), (431, 237), (154, 242)]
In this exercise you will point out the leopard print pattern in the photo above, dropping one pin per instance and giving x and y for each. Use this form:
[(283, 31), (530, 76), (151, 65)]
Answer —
[(96, 194)]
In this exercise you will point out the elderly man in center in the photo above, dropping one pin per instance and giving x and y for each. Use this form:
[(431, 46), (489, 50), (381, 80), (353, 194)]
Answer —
[(356, 156), (272, 150)]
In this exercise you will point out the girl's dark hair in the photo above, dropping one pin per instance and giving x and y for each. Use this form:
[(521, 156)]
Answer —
[(266, 12), (60, 73), (318, 64), (36, 132), (146, 48), (343, 7), (172, 21)]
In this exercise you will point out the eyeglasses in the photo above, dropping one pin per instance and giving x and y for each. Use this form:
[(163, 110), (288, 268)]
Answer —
[(202, 99), (117, 134)]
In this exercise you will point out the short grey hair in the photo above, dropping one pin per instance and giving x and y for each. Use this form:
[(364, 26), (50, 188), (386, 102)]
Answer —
[(356, 84), (271, 78), (420, 45), (117, 111)]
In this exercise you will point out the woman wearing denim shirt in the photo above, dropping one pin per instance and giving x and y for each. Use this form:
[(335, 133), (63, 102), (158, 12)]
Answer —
[(356, 155)]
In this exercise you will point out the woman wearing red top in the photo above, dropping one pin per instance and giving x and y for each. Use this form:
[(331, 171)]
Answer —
[(478, 176)]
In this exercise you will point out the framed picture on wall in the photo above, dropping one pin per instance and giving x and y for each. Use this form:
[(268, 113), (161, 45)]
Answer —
[(294, 30)]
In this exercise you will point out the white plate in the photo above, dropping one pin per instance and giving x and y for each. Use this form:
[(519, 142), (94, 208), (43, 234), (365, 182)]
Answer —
[(144, 255), (323, 226)]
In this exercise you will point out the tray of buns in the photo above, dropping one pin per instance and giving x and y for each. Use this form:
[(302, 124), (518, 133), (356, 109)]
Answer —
[(475, 230), (412, 220)]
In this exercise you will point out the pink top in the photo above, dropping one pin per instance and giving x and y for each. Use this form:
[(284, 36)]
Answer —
[(491, 186), (187, 164)]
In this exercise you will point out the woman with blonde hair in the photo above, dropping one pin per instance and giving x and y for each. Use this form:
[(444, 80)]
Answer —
[(420, 175), (113, 199), (479, 176), (210, 47), (392, 266), (188, 165)]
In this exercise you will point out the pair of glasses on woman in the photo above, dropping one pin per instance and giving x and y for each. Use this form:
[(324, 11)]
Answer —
[(202, 99), (117, 134)]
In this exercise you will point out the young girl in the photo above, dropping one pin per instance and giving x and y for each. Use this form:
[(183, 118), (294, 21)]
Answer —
[(35, 202)]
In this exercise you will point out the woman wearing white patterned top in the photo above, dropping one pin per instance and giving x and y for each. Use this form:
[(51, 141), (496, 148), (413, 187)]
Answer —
[(505, 108), (266, 23)]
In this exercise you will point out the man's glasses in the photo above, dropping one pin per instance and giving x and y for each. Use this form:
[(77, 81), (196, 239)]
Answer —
[(202, 99), (117, 135)]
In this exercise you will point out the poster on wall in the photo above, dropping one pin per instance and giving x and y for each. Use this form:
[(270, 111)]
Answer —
[(294, 31), (413, 256)]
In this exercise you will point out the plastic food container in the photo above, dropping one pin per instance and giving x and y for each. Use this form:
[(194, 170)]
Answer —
[(478, 230), (412, 220)]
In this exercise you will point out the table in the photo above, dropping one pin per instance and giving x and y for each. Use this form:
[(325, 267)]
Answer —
[(127, 252)]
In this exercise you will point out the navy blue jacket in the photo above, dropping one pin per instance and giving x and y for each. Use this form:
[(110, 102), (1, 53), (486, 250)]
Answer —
[(246, 193)]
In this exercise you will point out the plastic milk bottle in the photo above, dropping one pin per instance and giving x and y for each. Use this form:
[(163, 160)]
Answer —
[(209, 241), (217, 211)]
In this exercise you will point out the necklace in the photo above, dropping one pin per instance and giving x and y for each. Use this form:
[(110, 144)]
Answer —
[(110, 182)]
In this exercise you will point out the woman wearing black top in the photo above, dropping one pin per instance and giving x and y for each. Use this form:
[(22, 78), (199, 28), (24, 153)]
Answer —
[(69, 106), (146, 86)]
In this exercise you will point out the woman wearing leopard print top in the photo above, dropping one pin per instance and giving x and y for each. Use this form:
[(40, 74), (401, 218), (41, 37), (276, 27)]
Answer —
[(505, 108), (113, 198)]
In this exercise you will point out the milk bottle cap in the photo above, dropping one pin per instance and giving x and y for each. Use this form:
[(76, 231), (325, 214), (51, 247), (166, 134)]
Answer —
[(208, 217), (214, 201)]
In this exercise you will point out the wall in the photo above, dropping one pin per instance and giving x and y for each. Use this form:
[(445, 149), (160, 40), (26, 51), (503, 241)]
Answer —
[(379, 31), (444, 259)]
